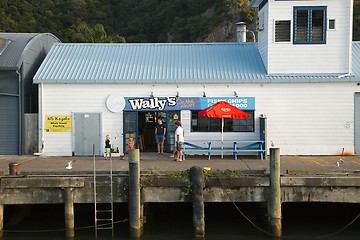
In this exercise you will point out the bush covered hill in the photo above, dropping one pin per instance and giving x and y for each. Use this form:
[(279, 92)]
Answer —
[(133, 20)]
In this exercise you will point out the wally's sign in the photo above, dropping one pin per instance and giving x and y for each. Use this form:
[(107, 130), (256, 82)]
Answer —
[(184, 103)]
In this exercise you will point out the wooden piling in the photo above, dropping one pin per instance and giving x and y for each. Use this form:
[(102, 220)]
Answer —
[(197, 195), (274, 209), (134, 194), (1, 221), (69, 212)]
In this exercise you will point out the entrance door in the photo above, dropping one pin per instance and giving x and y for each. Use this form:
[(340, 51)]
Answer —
[(171, 117), (87, 133), (130, 129), (9, 125), (357, 123)]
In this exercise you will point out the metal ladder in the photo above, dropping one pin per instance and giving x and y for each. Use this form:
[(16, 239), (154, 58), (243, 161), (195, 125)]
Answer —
[(103, 198)]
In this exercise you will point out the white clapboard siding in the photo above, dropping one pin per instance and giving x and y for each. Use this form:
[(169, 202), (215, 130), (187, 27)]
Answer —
[(332, 57), (302, 118)]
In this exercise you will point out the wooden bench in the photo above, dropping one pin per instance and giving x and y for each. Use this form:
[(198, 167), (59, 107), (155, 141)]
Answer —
[(238, 146)]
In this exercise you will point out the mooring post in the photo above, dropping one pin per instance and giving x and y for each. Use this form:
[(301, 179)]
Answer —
[(1, 220), (274, 210), (197, 195), (134, 194), (69, 212)]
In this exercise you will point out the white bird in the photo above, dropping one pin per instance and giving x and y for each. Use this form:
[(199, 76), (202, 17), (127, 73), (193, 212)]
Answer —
[(272, 144), (69, 165)]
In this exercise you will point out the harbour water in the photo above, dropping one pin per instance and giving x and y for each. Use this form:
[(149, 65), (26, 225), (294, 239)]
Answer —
[(332, 221)]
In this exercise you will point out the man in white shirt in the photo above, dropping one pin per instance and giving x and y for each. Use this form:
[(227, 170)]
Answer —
[(179, 140)]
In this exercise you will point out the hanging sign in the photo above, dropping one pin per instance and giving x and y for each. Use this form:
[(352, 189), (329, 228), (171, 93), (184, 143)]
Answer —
[(58, 124)]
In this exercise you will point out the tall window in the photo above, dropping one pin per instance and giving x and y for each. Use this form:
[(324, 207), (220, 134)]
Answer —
[(202, 124), (309, 25)]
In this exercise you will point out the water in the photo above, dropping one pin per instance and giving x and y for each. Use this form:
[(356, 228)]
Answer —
[(174, 221)]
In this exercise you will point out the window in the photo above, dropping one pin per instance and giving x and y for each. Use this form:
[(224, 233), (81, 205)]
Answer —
[(309, 25), (202, 124), (282, 31)]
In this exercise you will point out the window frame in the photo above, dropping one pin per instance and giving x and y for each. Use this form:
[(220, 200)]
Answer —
[(218, 123), (275, 22), (309, 31), (333, 23)]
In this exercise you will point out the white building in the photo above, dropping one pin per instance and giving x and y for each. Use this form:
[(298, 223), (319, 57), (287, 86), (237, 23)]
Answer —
[(304, 82)]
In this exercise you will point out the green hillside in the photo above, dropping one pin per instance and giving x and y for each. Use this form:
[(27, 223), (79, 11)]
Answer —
[(132, 20)]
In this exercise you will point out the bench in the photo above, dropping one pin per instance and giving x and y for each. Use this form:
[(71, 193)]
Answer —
[(236, 147)]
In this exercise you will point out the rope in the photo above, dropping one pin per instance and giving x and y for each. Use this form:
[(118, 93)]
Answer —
[(242, 214), (62, 229), (272, 235), (341, 229)]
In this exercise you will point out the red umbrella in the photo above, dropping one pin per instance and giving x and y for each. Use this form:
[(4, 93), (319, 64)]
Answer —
[(222, 110)]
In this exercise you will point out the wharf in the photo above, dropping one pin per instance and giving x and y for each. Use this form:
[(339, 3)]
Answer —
[(46, 180), (151, 162)]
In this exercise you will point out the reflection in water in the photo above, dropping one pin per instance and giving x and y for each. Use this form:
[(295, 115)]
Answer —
[(174, 221)]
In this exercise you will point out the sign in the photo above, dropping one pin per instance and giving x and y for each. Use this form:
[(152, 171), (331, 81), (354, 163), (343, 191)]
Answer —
[(243, 103), (58, 124), (185, 103)]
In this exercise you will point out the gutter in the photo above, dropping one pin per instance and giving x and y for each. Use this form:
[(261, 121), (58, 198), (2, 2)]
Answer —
[(20, 113), (40, 121)]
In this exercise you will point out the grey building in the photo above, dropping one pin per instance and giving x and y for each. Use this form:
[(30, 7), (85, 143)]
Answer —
[(20, 56)]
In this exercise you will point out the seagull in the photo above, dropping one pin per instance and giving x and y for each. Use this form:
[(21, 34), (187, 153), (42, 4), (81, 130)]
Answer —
[(69, 165), (272, 144)]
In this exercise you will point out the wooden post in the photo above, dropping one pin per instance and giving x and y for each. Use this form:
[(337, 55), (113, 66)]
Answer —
[(197, 194), (69, 212), (134, 194), (274, 210), (1, 220)]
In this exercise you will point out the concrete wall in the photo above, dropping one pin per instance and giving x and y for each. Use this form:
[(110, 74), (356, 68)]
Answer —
[(50, 190)]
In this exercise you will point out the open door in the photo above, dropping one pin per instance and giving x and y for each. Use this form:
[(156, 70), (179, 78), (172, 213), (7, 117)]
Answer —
[(130, 129)]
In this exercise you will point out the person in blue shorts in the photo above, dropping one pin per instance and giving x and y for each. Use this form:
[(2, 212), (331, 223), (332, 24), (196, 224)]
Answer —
[(160, 132)]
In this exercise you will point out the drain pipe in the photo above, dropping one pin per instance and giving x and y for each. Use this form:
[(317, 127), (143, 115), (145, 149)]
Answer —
[(21, 115), (41, 121)]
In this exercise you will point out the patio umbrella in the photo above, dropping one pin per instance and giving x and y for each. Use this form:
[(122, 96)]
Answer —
[(222, 110)]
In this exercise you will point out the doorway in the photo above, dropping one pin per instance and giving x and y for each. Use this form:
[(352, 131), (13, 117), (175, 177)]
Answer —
[(141, 126)]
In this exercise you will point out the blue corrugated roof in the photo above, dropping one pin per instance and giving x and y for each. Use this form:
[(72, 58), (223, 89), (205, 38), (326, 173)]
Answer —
[(167, 63), (149, 63), (356, 59)]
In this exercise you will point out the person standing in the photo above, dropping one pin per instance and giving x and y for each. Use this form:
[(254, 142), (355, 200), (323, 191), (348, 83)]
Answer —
[(107, 147), (179, 140), (160, 132)]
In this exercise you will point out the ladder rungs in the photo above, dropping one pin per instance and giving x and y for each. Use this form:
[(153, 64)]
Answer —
[(104, 219), (102, 211), (104, 228), (103, 198)]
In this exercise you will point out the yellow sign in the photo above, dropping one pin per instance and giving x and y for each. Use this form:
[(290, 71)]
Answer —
[(58, 124)]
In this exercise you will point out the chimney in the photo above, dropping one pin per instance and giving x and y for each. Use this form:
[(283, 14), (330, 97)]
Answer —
[(241, 32)]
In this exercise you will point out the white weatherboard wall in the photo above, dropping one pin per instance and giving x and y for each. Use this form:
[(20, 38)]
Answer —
[(303, 118), (332, 57)]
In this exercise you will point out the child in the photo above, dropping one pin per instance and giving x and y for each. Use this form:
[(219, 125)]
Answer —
[(107, 147), (131, 144)]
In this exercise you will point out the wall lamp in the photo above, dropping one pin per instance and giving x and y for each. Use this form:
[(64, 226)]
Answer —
[(235, 94), (152, 94), (204, 94), (177, 94)]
